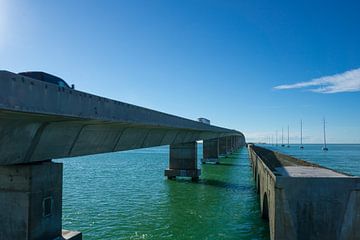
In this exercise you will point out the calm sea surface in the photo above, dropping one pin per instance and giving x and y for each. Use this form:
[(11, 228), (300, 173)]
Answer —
[(126, 196)]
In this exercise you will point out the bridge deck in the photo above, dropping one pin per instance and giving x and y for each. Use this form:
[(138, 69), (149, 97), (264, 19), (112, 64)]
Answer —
[(285, 165), (302, 171)]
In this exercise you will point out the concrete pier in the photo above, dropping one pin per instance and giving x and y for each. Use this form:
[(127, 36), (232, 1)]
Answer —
[(211, 151), (31, 201), (235, 145), (302, 200), (232, 143), (183, 161), (222, 146), (228, 145)]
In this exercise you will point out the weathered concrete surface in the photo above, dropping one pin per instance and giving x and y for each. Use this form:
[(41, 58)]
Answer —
[(183, 161), (228, 145), (305, 203), (222, 146), (71, 235), (211, 151), (215, 148), (306, 171), (40, 121), (30, 201)]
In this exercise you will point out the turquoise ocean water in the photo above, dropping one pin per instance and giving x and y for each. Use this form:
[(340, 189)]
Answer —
[(125, 195)]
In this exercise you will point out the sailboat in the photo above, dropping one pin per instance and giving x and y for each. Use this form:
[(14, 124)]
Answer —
[(301, 143), (282, 137), (288, 145), (324, 147)]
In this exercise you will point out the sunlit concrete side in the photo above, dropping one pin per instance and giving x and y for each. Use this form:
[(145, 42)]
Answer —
[(40, 121), (31, 201), (183, 161), (265, 185), (305, 201)]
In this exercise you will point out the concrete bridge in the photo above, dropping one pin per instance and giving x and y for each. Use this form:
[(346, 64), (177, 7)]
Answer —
[(41, 121), (302, 200)]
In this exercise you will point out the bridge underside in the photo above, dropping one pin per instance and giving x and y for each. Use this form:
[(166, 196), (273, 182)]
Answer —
[(28, 137)]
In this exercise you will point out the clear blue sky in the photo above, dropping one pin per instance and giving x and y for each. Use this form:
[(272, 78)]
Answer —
[(216, 59)]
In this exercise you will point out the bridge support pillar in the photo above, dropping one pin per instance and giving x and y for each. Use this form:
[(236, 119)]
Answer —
[(237, 142), (228, 146), (240, 142), (31, 202), (183, 161), (233, 148), (211, 151), (222, 146)]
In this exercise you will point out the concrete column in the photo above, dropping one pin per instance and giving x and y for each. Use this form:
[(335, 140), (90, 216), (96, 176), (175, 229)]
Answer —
[(228, 145), (233, 143), (222, 146), (183, 161), (211, 151), (236, 143), (31, 202)]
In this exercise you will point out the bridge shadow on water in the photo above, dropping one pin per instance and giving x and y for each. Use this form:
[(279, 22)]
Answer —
[(229, 164), (217, 184), (222, 184)]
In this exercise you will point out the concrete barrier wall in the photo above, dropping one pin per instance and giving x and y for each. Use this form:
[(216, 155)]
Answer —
[(308, 207), (265, 182)]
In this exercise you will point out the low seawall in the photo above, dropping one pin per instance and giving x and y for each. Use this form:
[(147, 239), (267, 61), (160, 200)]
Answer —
[(302, 200)]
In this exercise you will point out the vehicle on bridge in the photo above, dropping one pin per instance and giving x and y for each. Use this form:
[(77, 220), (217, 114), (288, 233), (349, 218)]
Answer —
[(204, 120), (46, 77)]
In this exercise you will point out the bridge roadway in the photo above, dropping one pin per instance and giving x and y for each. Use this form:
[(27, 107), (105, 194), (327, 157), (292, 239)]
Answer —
[(41, 121), (302, 200)]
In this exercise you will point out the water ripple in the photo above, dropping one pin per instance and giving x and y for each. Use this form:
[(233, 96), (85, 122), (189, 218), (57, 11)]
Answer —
[(125, 196)]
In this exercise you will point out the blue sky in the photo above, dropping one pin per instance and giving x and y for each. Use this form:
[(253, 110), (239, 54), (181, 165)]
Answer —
[(234, 62)]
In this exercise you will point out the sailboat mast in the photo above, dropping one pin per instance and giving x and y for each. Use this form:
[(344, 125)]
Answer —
[(288, 136), (301, 132), (324, 135), (282, 136)]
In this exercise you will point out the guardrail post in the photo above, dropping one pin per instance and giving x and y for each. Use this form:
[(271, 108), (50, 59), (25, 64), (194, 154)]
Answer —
[(183, 161)]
